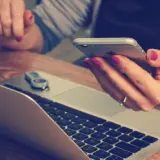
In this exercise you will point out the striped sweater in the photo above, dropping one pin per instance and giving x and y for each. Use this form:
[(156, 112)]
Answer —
[(58, 19), (63, 16)]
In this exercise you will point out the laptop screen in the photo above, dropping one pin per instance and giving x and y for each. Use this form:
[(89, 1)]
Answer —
[(10, 149)]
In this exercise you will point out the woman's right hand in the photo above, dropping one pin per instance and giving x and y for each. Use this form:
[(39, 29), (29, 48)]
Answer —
[(17, 28), (12, 19)]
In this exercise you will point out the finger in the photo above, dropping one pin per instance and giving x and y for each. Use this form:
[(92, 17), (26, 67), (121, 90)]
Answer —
[(109, 87), (5, 18), (140, 78), (153, 57), (125, 86), (105, 83), (28, 18), (18, 18)]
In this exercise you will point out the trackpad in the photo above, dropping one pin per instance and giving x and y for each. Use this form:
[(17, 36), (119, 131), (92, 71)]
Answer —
[(90, 101)]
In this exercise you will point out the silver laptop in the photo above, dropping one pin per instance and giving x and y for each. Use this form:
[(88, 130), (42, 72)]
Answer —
[(117, 133)]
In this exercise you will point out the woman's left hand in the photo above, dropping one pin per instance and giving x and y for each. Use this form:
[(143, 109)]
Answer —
[(141, 89)]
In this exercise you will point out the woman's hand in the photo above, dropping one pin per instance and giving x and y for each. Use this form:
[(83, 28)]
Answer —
[(12, 18), (141, 89), (17, 28)]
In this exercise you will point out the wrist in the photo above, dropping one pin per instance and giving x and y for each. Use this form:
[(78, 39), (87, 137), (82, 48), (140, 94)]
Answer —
[(37, 39)]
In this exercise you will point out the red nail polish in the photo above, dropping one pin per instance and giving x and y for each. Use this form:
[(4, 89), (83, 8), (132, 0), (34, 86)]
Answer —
[(154, 56), (18, 39), (115, 60), (97, 63), (31, 17)]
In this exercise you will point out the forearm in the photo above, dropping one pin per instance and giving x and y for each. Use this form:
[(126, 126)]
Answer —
[(54, 25), (34, 39), (48, 39)]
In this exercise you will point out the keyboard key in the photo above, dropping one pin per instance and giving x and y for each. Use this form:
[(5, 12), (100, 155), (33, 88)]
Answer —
[(111, 140), (70, 132), (46, 107), (140, 144), (79, 143), (150, 139), (102, 129), (89, 149), (125, 130), (128, 147), (98, 135), (126, 138), (55, 118), (96, 120), (105, 146), (111, 125), (63, 127), (64, 122), (75, 126), (120, 152), (86, 130), (80, 136), (113, 157), (42, 100), (69, 116), (51, 114), (137, 134), (113, 133), (57, 112), (92, 141), (101, 154), (90, 124), (93, 157), (92, 118), (79, 120)]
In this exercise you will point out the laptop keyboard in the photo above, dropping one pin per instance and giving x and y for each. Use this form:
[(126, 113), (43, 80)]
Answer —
[(98, 138)]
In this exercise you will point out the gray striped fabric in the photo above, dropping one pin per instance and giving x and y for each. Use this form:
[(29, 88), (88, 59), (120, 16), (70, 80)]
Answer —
[(64, 17)]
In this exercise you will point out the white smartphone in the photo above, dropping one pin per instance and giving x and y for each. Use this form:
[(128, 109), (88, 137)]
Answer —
[(104, 47)]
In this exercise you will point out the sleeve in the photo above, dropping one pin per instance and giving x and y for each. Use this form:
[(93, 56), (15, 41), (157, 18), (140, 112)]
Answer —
[(50, 40), (58, 19)]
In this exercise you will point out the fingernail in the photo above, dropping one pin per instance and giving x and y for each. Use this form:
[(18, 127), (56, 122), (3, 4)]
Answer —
[(18, 39), (97, 63), (154, 56), (30, 18), (115, 60)]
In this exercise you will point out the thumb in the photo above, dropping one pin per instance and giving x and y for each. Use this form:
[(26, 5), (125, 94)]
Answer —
[(153, 57), (28, 18)]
